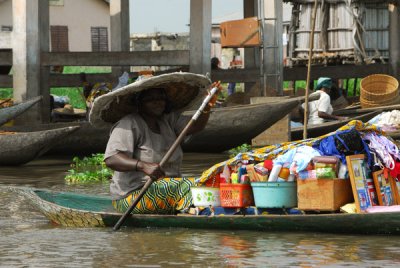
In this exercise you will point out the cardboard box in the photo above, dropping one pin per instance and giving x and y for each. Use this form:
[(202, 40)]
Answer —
[(240, 33), (323, 194)]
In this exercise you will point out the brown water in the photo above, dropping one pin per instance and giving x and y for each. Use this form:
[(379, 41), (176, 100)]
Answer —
[(27, 239)]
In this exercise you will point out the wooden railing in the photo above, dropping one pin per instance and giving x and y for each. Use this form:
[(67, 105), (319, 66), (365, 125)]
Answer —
[(179, 59)]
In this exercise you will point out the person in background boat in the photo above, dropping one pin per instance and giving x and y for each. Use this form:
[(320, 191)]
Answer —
[(338, 96), (92, 91), (215, 63), (137, 144), (234, 64), (321, 110)]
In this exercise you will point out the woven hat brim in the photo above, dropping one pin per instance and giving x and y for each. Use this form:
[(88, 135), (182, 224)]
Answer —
[(182, 89)]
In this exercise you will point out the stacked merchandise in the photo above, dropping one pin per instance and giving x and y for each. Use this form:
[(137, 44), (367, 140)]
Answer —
[(314, 175)]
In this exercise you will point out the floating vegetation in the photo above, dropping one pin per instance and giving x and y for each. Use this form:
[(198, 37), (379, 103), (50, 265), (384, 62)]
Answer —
[(89, 169)]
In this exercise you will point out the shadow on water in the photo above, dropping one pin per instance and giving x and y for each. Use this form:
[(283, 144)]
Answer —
[(28, 239)]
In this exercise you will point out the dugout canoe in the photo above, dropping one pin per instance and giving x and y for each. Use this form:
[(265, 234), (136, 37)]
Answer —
[(17, 148), (230, 127), (356, 110), (9, 113), (79, 210), (314, 131), (227, 128)]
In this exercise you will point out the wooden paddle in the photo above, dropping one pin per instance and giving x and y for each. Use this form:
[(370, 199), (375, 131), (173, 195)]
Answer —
[(167, 156)]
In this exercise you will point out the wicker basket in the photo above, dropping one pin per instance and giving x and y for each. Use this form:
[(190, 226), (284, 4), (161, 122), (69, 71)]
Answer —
[(378, 88), (378, 103)]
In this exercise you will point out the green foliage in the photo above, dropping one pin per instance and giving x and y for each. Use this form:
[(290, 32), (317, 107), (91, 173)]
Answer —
[(88, 169), (86, 69), (75, 93), (6, 93), (350, 86), (240, 149)]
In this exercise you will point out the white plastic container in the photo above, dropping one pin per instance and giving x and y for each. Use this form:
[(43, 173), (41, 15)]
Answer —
[(273, 176), (206, 196)]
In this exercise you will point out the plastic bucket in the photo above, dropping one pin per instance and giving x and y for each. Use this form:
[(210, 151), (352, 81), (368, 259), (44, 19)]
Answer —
[(205, 196), (275, 194)]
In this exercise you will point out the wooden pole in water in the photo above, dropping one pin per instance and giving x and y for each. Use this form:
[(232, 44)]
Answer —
[(310, 54)]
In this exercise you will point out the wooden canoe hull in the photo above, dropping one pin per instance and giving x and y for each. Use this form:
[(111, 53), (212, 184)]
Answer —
[(71, 210), (233, 126), (227, 128), (356, 110), (20, 148), (314, 131), (9, 113), (84, 141)]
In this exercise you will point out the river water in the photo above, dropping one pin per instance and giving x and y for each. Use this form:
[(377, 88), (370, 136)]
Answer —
[(27, 239)]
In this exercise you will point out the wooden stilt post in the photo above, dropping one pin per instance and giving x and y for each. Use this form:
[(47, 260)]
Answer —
[(310, 54)]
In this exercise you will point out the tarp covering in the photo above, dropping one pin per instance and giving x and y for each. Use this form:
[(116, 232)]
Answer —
[(272, 151)]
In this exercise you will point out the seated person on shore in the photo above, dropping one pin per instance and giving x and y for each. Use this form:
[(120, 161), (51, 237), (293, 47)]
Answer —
[(149, 125), (321, 110)]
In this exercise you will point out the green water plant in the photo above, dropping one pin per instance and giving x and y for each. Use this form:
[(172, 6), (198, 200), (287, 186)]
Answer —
[(239, 149), (88, 169)]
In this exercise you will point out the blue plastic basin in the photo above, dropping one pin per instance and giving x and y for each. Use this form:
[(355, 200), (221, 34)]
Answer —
[(275, 194)]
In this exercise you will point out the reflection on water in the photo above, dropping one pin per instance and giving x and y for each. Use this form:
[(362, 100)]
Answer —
[(49, 246), (27, 238)]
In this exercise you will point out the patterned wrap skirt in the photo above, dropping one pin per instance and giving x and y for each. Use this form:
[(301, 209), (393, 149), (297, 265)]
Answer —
[(166, 196)]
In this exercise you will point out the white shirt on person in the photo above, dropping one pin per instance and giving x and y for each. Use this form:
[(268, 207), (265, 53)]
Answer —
[(323, 104)]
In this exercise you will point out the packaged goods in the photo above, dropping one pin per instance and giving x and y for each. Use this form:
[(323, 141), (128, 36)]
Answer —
[(261, 170), (245, 179), (255, 176), (292, 177), (234, 178), (326, 167), (325, 173), (226, 175), (343, 172), (307, 175), (283, 174), (325, 159)]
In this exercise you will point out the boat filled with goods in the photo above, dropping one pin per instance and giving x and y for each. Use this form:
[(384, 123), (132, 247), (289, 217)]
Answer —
[(344, 182)]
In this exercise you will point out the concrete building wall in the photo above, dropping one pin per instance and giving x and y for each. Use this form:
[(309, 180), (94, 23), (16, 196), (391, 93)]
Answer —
[(79, 16), (5, 13), (157, 42)]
